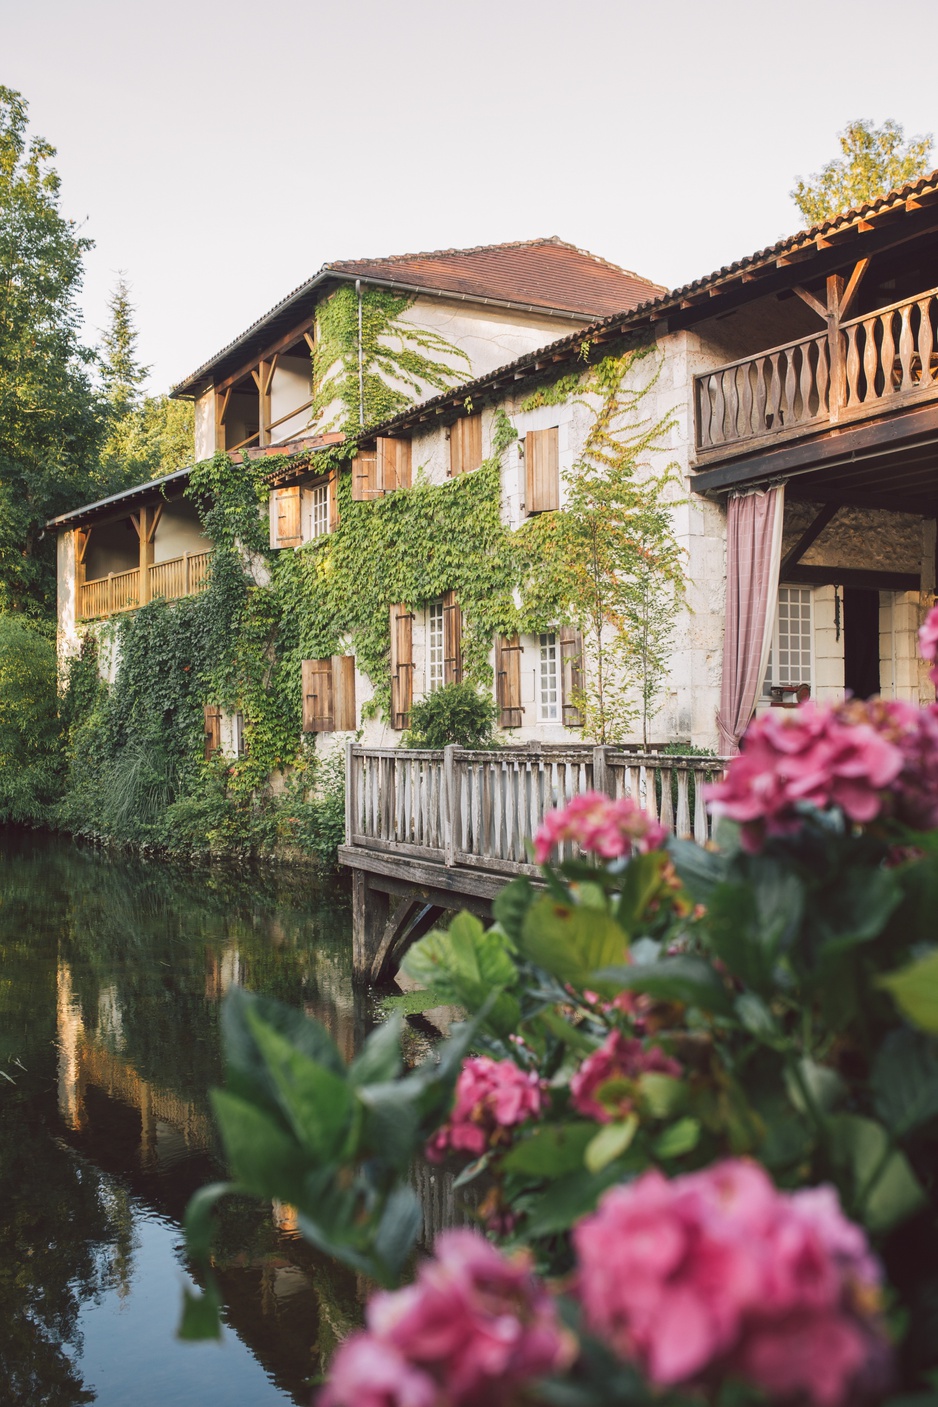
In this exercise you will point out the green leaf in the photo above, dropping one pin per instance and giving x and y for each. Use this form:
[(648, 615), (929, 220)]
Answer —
[(611, 1142), (813, 1084), (398, 1229), (318, 1104), (679, 1139), (756, 1018), (262, 1155), (247, 1071), (511, 905), (915, 991), (905, 1081), (199, 1220), (571, 1197), (468, 963), (687, 979), (640, 881), (571, 942), (661, 1095), (856, 910), (201, 1314), (380, 1057), (552, 1150), (880, 1185), (699, 870), (752, 923)]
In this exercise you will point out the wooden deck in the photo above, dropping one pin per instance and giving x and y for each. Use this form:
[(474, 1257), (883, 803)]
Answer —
[(121, 591), (435, 830)]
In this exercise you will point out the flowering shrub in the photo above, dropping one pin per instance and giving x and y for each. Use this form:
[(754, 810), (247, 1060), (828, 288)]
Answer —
[(699, 1087), (492, 1097), (473, 1326)]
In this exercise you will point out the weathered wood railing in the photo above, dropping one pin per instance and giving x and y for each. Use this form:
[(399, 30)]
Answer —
[(865, 366), (477, 809), (120, 591)]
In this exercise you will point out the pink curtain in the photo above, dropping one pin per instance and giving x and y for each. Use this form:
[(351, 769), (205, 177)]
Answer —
[(753, 554)]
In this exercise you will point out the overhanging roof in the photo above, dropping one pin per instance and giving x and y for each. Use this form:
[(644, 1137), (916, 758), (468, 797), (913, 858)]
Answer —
[(127, 498)]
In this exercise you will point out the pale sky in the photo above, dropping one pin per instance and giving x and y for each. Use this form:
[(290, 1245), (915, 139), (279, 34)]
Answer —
[(220, 153)]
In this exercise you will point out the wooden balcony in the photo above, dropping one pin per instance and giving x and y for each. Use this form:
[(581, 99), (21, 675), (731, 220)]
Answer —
[(859, 369), (120, 591)]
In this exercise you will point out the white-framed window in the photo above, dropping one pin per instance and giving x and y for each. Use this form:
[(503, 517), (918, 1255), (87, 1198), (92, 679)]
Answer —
[(318, 498), (548, 680), (791, 658), (436, 667)]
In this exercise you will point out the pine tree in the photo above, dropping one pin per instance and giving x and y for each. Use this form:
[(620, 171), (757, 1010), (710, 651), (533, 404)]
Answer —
[(122, 373), (875, 161)]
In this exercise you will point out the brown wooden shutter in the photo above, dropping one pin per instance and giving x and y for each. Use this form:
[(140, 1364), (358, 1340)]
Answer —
[(212, 715), (333, 501), (542, 470), (571, 664), (365, 476), (343, 692), (508, 680), (285, 525), (465, 445), (452, 639), (318, 708), (394, 462), (402, 665)]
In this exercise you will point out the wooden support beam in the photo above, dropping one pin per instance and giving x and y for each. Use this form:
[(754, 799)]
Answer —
[(835, 344), (850, 292), (145, 530), (811, 533), (282, 344), (812, 302)]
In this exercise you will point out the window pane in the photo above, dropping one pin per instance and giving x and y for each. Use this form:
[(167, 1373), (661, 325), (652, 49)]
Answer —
[(548, 679), (435, 664), (790, 656)]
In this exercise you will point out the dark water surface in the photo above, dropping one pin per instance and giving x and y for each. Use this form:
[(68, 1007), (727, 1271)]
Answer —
[(111, 974)]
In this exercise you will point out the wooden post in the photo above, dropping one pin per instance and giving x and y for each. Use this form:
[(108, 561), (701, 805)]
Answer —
[(221, 410), (450, 801), (838, 390), (601, 773), (349, 792), (263, 376), (185, 574)]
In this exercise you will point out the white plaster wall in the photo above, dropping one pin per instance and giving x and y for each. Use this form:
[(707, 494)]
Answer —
[(68, 639), (178, 531), (290, 387), (205, 425)]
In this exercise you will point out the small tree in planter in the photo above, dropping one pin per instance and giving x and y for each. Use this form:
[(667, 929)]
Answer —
[(458, 714)]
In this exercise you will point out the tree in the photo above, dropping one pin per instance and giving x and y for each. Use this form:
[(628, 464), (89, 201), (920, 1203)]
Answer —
[(875, 161), (29, 727), (51, 419), (122, 373)]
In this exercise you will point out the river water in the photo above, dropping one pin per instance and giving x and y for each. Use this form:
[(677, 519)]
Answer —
[(111, 975)]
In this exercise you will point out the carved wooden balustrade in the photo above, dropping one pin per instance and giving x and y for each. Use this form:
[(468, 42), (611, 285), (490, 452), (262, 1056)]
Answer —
[(864, 366), (120, 591), (477, 808)]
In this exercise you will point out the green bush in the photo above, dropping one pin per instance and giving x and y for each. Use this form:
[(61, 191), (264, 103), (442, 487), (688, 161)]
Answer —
[(457, 713), (30, 754)]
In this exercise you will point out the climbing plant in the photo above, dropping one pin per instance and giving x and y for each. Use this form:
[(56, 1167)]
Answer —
[(398, 361)]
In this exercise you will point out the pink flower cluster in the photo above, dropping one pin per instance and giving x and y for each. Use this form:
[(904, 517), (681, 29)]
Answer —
[(603, 1087), (718, 1273), (928, 641), (600, 826), (473, 1326), (913, 795), (809, 755), (491, 1096)]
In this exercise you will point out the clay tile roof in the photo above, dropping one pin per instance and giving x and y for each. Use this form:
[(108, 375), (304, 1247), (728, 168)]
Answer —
[(533, 274), (546, 273)]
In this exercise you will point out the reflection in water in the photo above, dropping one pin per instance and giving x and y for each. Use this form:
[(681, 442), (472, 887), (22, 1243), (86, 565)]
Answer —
[(111, 972)]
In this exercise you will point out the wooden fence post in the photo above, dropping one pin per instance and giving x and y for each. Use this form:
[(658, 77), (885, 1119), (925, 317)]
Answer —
[(601, 773), (349, 792), (449, 804)]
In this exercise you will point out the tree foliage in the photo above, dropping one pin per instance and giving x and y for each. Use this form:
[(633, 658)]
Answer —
[(29, 725), (50, 416), (875, 161)]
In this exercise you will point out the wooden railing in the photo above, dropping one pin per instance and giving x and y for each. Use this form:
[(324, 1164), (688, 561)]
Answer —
[(864, 366), (477, 809), (120, 591)]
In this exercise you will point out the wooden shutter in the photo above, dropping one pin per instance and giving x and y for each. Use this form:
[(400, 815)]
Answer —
[(571, 664), (542, 470), (343, 692), (465, 445), (508, 680), (394, 460), (402, 665), (365, 476), (333, 501), (285, 526), (318, 708), (452, 639), (212, 715)]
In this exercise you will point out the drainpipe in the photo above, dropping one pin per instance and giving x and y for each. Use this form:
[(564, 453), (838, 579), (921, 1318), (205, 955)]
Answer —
[(361, 364)]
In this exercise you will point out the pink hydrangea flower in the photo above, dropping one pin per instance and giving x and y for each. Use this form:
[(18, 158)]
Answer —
[(620, 1059), (928, 641), (809, 755), (717, 1272), (474, 1326), (491, 1096), (600, 826), (913, 795)]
